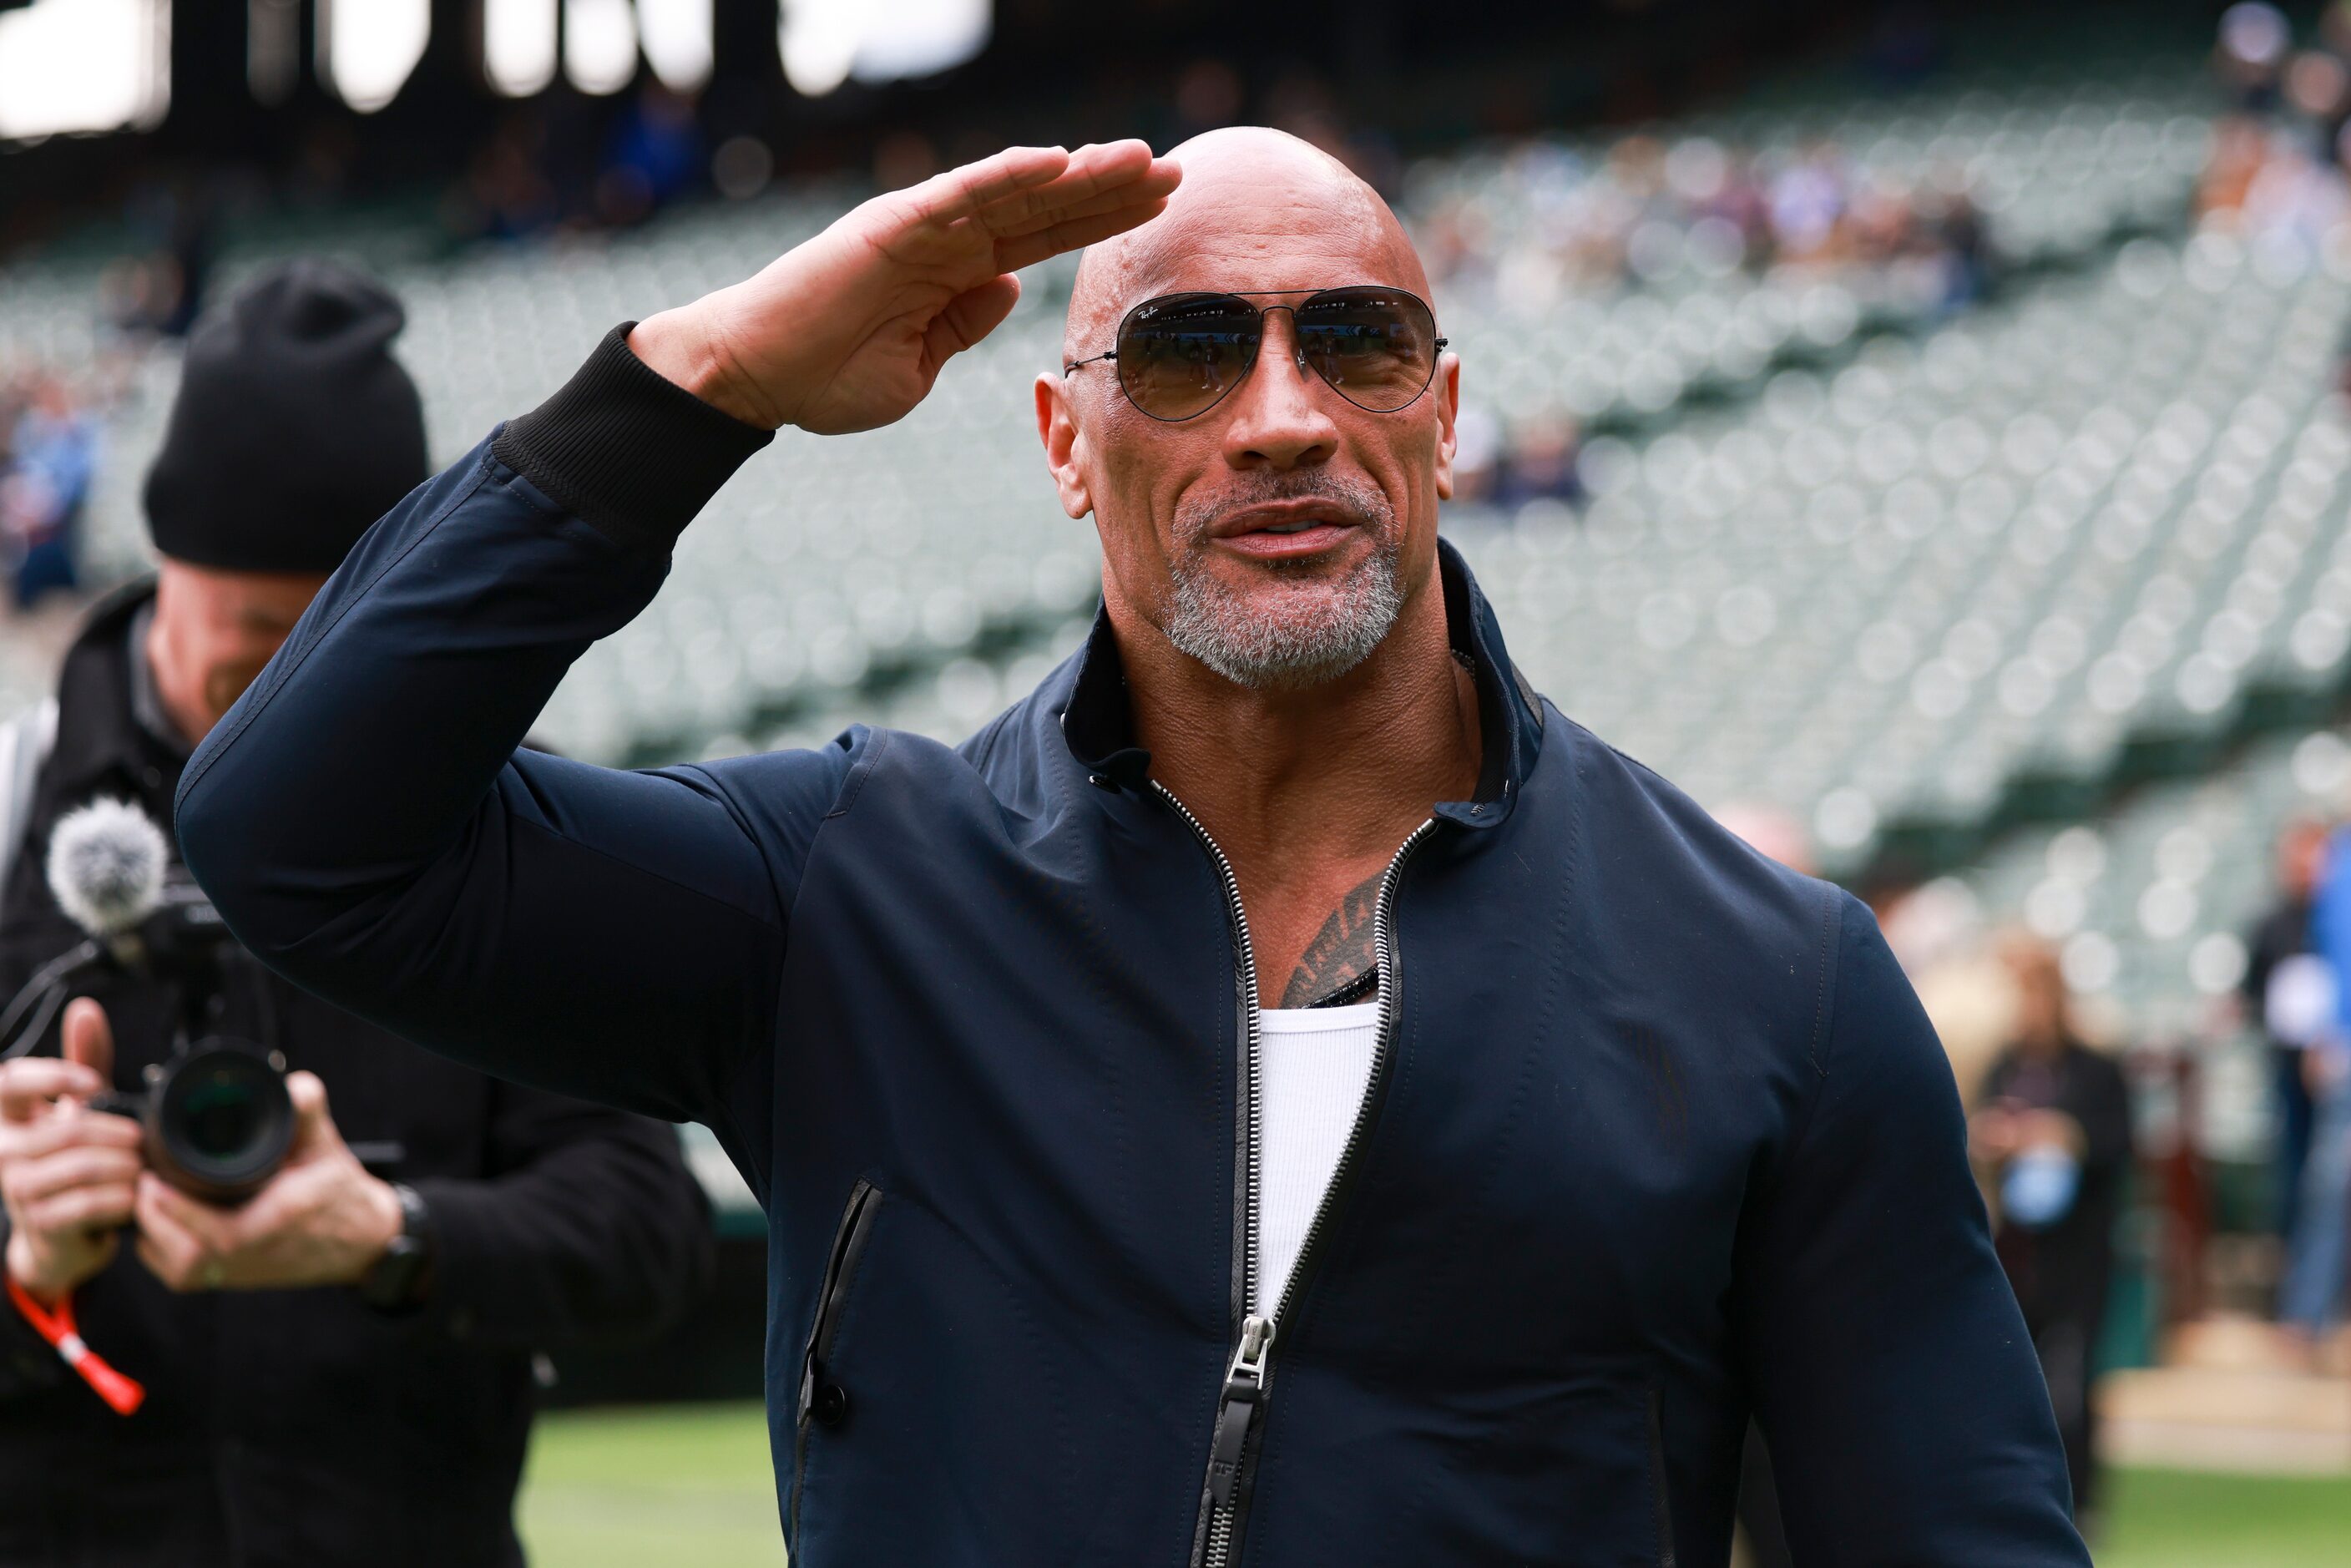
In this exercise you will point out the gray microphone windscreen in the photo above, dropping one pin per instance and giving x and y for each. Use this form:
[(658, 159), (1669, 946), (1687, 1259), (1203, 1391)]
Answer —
[(105, 867)]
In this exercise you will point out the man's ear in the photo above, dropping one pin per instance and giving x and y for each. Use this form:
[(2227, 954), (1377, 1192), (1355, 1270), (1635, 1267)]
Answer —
[(1057, 427), (1449, 409)]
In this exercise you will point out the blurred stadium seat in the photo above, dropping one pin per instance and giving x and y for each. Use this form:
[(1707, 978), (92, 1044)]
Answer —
[(2151, 902)]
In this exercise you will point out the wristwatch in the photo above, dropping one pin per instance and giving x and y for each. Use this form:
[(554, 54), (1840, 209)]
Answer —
[(396, 1282)]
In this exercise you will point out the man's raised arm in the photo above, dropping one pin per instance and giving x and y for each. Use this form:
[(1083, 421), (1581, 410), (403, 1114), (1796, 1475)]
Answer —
[(361, 816)]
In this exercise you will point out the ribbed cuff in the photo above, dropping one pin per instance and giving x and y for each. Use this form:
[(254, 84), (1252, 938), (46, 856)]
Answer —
[(621, 446)]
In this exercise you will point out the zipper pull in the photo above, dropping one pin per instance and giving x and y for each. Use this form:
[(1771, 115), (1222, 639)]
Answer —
[(1244, 1392)]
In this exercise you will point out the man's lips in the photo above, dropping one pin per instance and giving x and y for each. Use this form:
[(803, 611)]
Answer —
[(1282, 530)]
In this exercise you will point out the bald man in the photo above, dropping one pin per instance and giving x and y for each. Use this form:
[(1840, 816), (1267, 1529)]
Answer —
[(1283, 1092)]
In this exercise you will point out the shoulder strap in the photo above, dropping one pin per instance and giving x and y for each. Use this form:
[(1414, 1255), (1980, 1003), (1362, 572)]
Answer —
[(26, 742)]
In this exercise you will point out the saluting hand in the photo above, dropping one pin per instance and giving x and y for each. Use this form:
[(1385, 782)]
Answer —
[(848, 331)]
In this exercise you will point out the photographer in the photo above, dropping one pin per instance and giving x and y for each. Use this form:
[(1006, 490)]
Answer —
[(338, 1370)]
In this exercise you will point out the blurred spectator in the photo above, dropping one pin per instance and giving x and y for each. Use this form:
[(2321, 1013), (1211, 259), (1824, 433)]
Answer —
[(2240, 147), (1936, 931), (656, 155), (2053, 1130), (1770, 831), (1809, 198), (904, 157), (2317, 1011), (1906, 44), (506, 193), (1518, 229), (2251, 56), (2282, 934), (1541, 465), (1207, 95), (1477, 454), (158, 290), (1965, 245), (140, 294), (2277, 163), (2293, 191), (2318, 90), (1648, 209), (1302, 103), (45, 477)]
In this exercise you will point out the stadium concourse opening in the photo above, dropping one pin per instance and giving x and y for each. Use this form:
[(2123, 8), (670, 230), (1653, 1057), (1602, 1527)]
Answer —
[(1917, 430)]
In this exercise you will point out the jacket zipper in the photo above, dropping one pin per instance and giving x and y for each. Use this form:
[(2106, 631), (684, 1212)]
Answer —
[(1242, 1402), (840, 1269)]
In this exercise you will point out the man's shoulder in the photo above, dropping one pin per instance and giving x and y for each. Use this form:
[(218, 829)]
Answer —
[(1625, 796), (862, 769), (1652, 853), (803, 781)]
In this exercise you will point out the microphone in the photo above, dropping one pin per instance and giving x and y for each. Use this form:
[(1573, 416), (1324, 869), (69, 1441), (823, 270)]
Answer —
[(105, 869), (217, 1116)]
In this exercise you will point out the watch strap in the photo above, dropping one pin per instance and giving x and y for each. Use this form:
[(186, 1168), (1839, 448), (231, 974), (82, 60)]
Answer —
[(396, 1282)]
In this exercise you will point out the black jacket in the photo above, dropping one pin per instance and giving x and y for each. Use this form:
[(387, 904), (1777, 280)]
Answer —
[(1656, 1131), (302, 1426), (2062, 1273), (2282, 933)]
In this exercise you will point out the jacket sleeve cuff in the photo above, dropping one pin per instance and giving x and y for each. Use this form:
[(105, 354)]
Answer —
[(625, 449)]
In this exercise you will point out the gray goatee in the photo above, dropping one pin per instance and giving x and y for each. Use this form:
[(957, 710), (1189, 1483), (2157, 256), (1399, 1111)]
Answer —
[(1298, 628)]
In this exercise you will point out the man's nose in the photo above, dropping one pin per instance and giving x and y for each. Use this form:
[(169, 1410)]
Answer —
[(1281, 416)]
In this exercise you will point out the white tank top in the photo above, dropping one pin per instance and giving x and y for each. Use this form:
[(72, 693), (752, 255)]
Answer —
[(1317, 1063)]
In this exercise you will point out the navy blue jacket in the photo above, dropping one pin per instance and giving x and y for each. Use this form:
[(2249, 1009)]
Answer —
[(1658, 1134)]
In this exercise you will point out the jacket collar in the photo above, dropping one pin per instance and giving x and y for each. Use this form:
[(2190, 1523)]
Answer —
[(101, 731), (1099, 728)]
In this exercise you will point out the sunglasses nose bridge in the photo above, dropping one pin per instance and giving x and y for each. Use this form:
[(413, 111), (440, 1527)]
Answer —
[(1297, 341)]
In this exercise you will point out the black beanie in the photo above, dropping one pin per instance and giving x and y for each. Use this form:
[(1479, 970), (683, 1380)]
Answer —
[(294, 428)]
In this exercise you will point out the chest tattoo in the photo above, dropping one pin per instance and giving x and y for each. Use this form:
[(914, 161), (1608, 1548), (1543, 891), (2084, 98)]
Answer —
[(1342, 957)]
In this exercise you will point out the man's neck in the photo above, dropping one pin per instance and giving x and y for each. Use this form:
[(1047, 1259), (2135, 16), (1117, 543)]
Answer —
[(1309, 792)]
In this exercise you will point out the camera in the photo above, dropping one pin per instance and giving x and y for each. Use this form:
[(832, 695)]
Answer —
[(217, 1116)]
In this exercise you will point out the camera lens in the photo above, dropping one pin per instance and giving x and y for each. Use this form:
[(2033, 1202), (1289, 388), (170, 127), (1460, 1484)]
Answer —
[(223, 1120), (219, 1115)]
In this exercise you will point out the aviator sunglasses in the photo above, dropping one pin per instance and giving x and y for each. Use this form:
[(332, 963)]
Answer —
[(1179, 354)]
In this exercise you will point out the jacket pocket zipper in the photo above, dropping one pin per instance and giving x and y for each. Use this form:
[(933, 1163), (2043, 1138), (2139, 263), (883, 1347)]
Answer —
[(1660, 1494), (822, 1401)]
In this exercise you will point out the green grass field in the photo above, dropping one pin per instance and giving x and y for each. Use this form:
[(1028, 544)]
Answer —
[(2173, 1518), (684, 1484), (691, 1485)]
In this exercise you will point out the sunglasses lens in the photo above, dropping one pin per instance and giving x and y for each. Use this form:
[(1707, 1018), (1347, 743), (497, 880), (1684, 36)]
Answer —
[(1178, 356), (1376, 347)]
